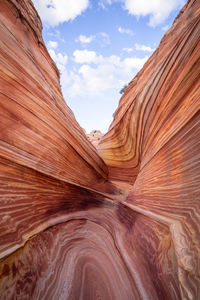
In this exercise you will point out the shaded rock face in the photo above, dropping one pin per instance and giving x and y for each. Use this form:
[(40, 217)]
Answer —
[(120, 223)]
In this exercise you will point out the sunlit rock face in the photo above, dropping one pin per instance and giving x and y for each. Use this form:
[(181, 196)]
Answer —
[(122, 223), (95, 137)]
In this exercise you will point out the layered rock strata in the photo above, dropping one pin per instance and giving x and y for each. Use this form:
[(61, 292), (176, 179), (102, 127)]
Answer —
[(154, 142), (120, 223), (38, 130)]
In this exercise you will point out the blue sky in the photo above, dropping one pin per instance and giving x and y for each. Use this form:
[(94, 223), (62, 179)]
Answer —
[(99, 46)]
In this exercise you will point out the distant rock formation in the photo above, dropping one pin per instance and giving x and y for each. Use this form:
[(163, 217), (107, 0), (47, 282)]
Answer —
[(120, 223), (95, 137)]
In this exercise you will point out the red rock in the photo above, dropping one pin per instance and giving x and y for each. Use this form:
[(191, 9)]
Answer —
[(153, 143), (158, 102), (44, 153), (66, 231), (38, 130)]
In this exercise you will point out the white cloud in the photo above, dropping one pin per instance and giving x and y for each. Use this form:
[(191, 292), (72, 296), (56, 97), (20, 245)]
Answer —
[(90, 57), (144, 48), (125, 30), (98, 74), (59, 59), (158, 10), (52, 44), (134, 62), (128, 50), (103, 3), (56, 34), (104, 39), (85, 39), (97, 79), (54, 12), (139, 47), (86, 56)]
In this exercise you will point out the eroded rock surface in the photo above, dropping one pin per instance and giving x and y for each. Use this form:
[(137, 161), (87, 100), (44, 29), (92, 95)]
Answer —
[(95, 137), (120, 223)]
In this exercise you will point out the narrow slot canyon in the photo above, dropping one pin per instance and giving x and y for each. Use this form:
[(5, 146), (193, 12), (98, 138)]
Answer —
[(117, 221)]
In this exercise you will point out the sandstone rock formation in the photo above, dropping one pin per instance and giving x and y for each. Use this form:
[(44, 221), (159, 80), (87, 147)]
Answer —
[(95, 137), (120, 223)]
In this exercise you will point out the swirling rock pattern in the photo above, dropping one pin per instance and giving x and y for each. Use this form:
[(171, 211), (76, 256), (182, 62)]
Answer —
[(153, 142), (120, 223), (38, 130)]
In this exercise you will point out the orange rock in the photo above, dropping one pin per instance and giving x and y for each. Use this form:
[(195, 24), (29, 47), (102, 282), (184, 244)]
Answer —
[(158, 102), (38, 130), (70, 230), (153, 143)]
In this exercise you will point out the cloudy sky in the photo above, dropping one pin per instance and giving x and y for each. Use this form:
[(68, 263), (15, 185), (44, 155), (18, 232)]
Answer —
[(99, 46)]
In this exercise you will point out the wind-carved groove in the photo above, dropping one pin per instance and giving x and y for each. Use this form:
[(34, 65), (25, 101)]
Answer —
[(117, 222)]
